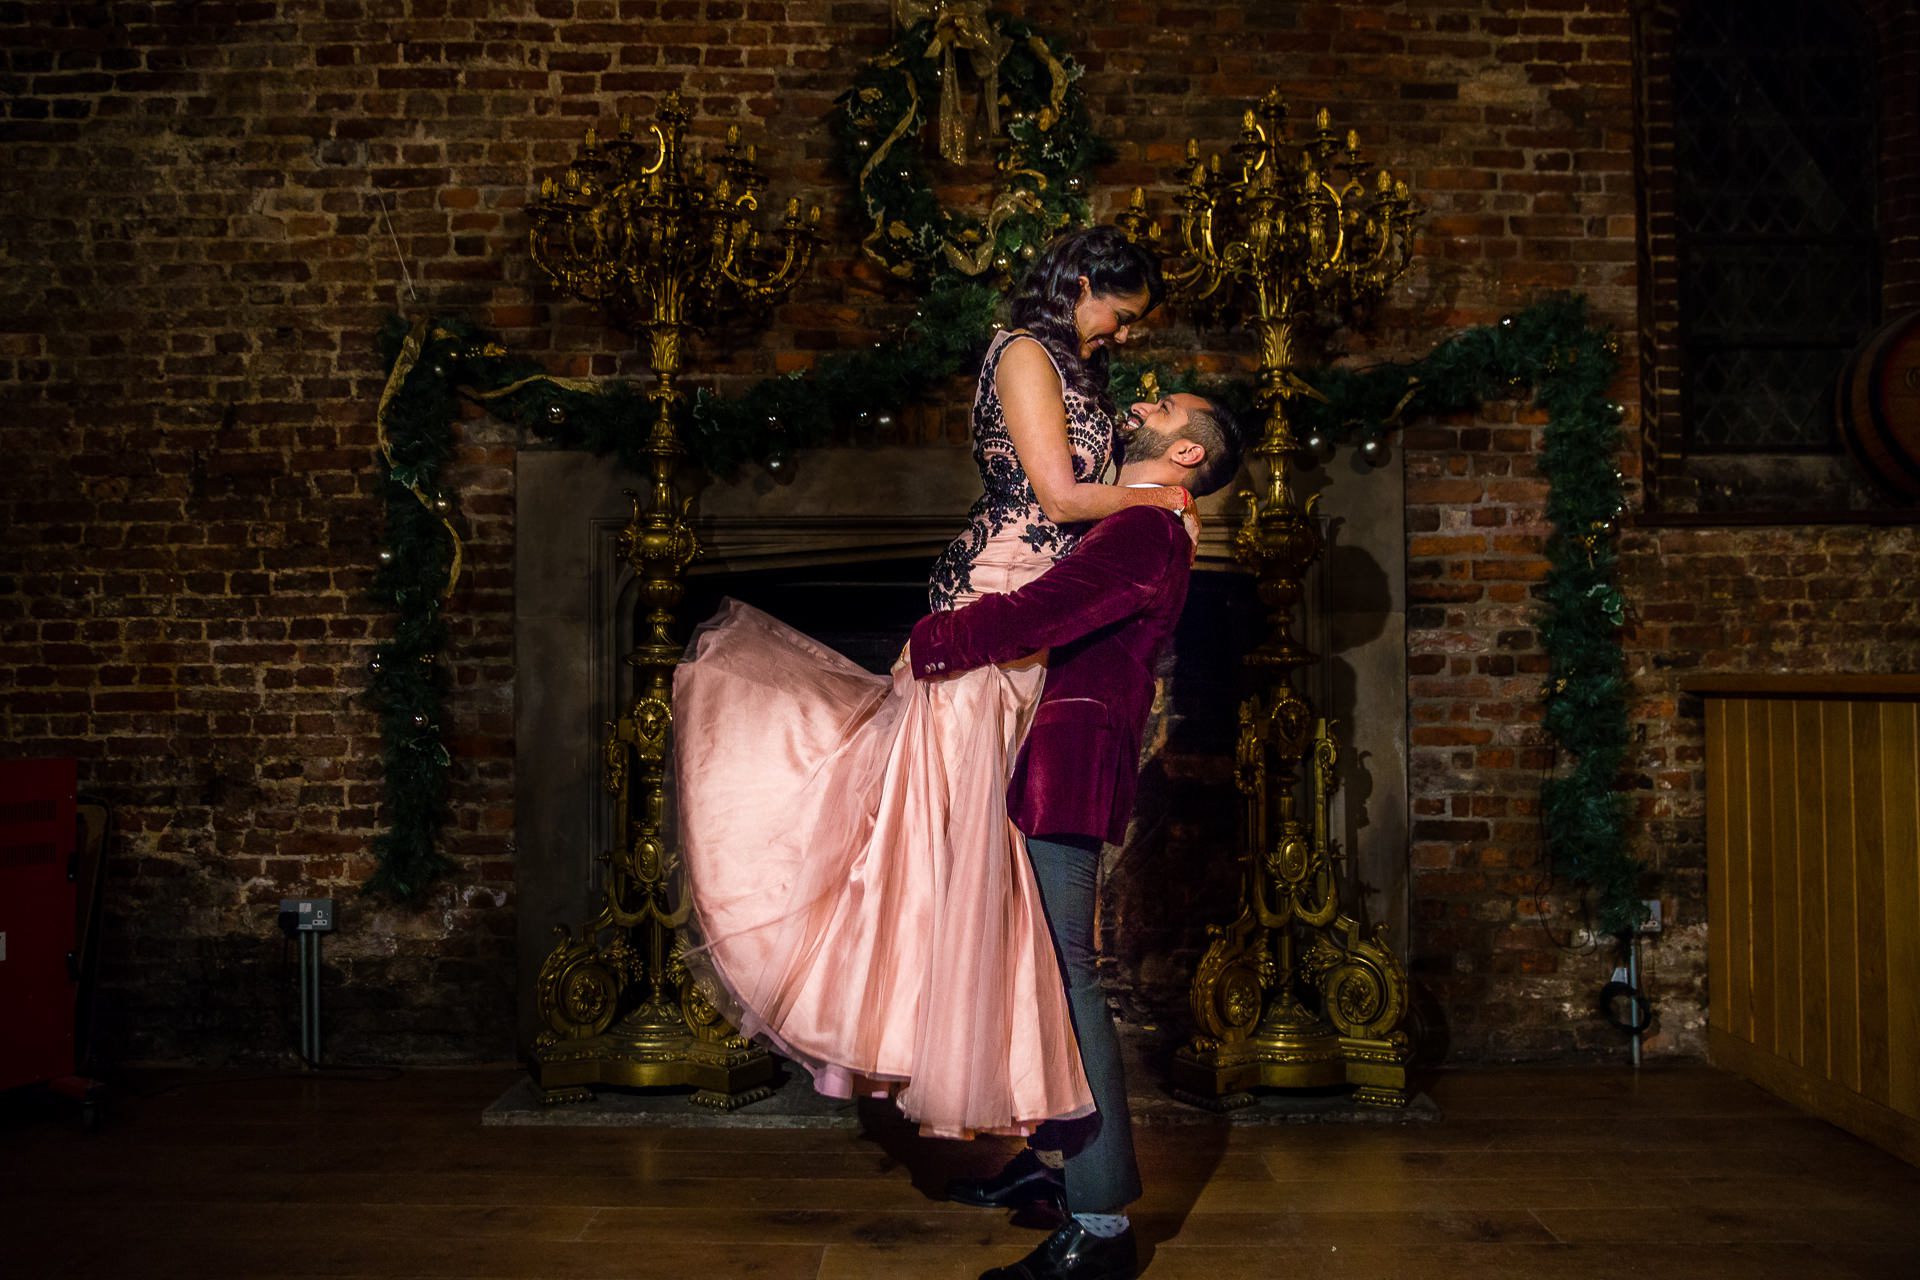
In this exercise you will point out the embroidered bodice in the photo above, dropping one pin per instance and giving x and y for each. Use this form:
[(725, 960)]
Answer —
[(1007, 508)]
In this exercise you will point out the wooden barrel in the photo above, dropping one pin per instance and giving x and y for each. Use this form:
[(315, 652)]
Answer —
[(1877, 406)]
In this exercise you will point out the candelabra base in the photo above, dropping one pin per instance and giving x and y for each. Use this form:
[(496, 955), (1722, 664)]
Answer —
[(644, 1051), (1221, 1076)]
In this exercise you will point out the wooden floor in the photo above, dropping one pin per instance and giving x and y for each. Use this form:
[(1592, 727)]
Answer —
[(1537, 1173)]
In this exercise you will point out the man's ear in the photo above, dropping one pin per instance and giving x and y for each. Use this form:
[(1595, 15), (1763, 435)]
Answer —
[(1188, 453)]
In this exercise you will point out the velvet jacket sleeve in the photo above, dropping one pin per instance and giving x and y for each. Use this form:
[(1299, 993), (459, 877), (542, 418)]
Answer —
[(1112, 574)]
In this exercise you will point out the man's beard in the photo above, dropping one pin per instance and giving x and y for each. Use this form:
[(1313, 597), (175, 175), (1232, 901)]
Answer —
[(1144, 445)]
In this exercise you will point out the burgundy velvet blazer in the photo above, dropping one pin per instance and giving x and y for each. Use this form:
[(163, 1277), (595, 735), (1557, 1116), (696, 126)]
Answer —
[(1105, 611)]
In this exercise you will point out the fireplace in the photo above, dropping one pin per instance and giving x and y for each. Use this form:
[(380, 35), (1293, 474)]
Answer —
[(839, 548)]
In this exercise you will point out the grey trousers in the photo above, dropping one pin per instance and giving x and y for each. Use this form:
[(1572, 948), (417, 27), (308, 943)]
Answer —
[(1101, 1174)]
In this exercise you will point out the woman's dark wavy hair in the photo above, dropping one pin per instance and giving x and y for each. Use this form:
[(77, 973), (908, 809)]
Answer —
[(1048, 293)]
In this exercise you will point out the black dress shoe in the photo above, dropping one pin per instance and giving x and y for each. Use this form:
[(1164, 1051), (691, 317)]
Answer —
[(1074, 1253), (1023, 1181)]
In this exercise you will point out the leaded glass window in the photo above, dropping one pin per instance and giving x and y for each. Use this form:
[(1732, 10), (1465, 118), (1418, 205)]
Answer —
[(1774, 156)]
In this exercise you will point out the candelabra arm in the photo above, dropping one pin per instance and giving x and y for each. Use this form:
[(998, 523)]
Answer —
[(793, 263)]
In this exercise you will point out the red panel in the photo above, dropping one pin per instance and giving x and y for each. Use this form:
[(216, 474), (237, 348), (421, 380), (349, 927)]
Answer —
[(37, 918)]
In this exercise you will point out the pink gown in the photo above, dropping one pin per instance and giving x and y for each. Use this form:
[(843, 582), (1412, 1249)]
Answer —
[(861, 900)]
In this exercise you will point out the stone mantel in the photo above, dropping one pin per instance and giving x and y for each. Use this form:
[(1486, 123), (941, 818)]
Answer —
[(841, 505)]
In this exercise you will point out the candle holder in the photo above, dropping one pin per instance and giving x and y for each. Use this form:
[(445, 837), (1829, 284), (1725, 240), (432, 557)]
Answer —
[(1295, 993), (663, 244)]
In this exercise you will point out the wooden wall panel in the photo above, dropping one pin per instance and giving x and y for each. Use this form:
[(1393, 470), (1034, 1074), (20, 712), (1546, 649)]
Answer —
[(1738, 923), (1810, 821), (1719, 948), (1900, 747), (1813, 899), (1757, 748), (1869, 897), (1779, 817), (1836, 740)]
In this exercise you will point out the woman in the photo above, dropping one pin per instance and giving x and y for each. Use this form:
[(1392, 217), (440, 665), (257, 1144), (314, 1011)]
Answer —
[(861, 899)]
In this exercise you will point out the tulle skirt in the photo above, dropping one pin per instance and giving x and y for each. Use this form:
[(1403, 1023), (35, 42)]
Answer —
[(861, 901)]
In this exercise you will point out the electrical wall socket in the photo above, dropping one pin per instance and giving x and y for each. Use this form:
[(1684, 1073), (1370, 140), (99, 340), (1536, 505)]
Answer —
[(306, 915), (1654, 922)]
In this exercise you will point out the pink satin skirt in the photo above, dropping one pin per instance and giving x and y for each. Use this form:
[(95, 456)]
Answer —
[(861, 900)]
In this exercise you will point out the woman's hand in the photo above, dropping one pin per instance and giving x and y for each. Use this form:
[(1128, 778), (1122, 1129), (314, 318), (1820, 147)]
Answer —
[(1173, 497)]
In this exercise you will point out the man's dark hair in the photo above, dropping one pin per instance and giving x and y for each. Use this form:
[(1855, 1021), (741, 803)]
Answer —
[(1215, 430)]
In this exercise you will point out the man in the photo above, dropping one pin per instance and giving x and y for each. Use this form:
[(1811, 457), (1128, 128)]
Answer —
[(1104, 611)]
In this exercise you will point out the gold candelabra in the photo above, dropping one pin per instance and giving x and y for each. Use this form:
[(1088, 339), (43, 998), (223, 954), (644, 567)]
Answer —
[(663, 243), (1295, 992)]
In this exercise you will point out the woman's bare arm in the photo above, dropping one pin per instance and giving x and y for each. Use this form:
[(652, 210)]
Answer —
[(1032, 400)]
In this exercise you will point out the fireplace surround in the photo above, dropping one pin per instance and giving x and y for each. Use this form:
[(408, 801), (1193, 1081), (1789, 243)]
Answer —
[(838, 544)]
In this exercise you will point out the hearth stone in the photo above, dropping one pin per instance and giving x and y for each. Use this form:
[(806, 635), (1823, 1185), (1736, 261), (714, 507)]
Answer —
[(795, 1105)]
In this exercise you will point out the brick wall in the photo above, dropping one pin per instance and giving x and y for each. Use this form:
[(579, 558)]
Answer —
[(208, 208)]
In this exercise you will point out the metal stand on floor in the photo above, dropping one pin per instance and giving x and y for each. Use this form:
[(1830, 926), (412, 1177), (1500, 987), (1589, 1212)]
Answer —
[(1637, 1003), (306, 919), (310, 999), (1623, 992)]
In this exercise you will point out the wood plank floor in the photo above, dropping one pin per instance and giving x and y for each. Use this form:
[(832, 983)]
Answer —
[(1559, 1174)]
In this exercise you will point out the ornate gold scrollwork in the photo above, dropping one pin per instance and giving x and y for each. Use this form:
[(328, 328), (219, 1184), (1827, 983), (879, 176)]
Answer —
[(1273, 236), (579, 990), (1249, 760), (1362, 984), (662, 246), (1229, 985), (652, 718), (1304, 878), (613, 759)]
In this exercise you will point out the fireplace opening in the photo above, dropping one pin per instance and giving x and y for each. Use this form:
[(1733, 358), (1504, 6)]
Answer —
[(863, 611)]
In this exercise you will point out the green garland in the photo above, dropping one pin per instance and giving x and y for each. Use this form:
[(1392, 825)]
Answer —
[(1050, 147), (1569, 363), (408, 685), (773, 417), (1552, 348)]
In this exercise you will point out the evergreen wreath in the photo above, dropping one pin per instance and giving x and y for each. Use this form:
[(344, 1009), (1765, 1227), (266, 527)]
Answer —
[(1049, 146)]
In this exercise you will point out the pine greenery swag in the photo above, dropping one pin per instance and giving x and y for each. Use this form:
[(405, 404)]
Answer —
[(1552, 348), (1048, 149)]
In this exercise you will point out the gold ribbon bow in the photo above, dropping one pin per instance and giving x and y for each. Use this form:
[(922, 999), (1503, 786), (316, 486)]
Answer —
[(410, 351), (959, 24), (975, 259)]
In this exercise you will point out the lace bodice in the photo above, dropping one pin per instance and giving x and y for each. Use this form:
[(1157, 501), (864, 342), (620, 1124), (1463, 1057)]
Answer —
[(1007, 508)]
